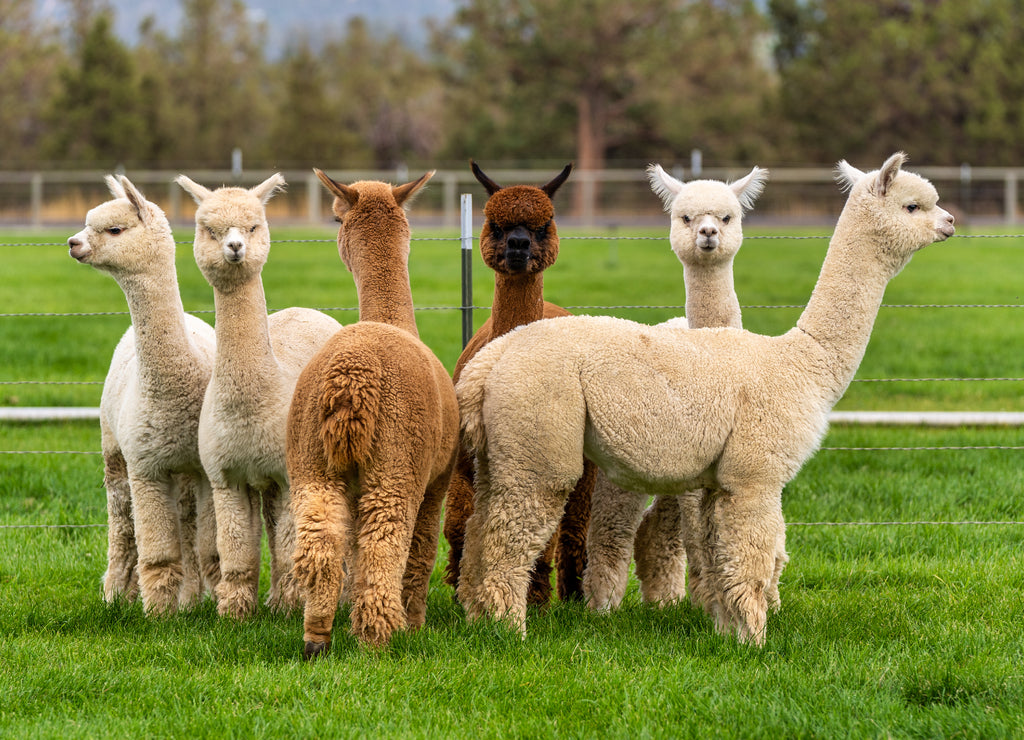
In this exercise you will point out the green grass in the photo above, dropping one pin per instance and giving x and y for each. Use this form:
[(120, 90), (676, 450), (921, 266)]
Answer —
[(595, 273), (886, 630)]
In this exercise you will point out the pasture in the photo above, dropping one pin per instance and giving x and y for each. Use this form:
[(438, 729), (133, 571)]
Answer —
[(901, 603)]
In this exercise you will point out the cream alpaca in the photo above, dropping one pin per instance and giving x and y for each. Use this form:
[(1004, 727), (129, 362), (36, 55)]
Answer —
[(160, 528), (372, 434), (706, 233), (664, 411), (242, 426)]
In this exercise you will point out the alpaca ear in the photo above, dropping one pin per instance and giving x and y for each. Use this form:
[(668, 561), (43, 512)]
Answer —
[(349, 195), (405, 193), (847, 175), (134, 197), (114, 187), (750, 187), (193, 188), (887, 174), (552, 187), (663, 184), (269, 187), (489, 185)]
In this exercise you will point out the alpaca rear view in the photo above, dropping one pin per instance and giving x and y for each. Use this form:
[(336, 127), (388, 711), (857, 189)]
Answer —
[(372, 433)]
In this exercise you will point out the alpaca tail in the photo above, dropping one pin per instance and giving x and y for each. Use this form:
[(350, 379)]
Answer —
[(349, 403), (470, 392)]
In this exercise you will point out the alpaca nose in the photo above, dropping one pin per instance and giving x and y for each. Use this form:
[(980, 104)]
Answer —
[(234, 251), (517, 248), (708, 231), (77, 248)]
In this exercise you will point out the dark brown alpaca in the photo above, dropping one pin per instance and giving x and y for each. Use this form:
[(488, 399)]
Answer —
[(371, 440), (519, 241)]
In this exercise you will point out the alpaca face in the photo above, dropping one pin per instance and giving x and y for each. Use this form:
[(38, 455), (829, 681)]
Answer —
[(232, 240), (123, 236), (901, 206), (706, 215), (232, 237), (519, 235)]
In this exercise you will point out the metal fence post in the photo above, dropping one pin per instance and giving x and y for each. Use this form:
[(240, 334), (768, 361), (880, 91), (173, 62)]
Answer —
[(467, 266)]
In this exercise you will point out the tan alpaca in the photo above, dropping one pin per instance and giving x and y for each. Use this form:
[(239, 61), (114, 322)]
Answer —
[(160, 535), (706, 233), (372, 434), (242, 426), (519, 241), (667, 410)]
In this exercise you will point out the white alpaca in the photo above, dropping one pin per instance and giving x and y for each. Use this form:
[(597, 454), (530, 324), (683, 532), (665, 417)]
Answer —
[(665, 411), (149, 412), (706, 233), (242, 427)]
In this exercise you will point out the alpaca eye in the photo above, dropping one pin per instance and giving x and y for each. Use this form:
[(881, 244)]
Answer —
[(253, 228), (725, 218), (496, 231), (211, 232), (114, 230), (912, 207), (686, 219)]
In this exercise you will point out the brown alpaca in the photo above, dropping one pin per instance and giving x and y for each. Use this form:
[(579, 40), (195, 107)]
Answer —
[(371, 437), (519, 241)]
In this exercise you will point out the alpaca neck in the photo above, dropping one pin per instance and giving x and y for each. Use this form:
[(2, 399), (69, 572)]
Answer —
[(518, 300), (385, 296), (711, 297), (162, 343), (841, 311), (243, 337)]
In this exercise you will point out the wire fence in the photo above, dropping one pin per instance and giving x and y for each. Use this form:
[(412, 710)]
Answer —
[(605, 238)]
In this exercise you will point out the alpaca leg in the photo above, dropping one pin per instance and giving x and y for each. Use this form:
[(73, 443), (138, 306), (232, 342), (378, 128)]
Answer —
[(284, 591), (158, 537), (192, 580), (387, 512), (781, 558), (700, 532), (206, 535), (614, 516), (423, 553), (572, 536), (238, 542), (322, 525), (660, 551), (121, 578), (520, 512), (748, 523), (457, 510)]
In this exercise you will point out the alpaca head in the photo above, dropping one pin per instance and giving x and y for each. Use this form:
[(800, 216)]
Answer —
[(124, 236), (519, 234), (706, 215), (896, 211), (232, 240), (373, 225)]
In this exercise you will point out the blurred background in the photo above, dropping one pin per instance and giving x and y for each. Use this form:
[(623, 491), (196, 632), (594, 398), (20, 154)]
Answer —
[(229, 91)]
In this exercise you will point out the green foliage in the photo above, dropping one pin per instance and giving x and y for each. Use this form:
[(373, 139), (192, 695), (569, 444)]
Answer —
[(96, 117), (870, 78)]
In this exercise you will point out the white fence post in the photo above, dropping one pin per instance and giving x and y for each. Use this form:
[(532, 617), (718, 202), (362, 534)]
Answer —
[(466, 238)]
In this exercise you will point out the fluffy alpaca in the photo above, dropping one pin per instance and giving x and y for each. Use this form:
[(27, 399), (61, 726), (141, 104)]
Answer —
[(706, 233), (160, 535), (372, 434), (519, 241), (668, 410), (242, 426)]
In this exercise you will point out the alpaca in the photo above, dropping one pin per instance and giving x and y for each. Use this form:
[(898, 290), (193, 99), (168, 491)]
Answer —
[(519, 241), (160, 535), (372, 435), (706, 233), (669, 410), (242, 425)]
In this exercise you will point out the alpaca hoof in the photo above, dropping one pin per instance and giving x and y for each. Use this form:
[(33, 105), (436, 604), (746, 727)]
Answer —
[(314, 650)]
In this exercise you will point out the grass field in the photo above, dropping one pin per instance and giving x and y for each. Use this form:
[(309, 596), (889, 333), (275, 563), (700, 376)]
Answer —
[(886, 630)]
